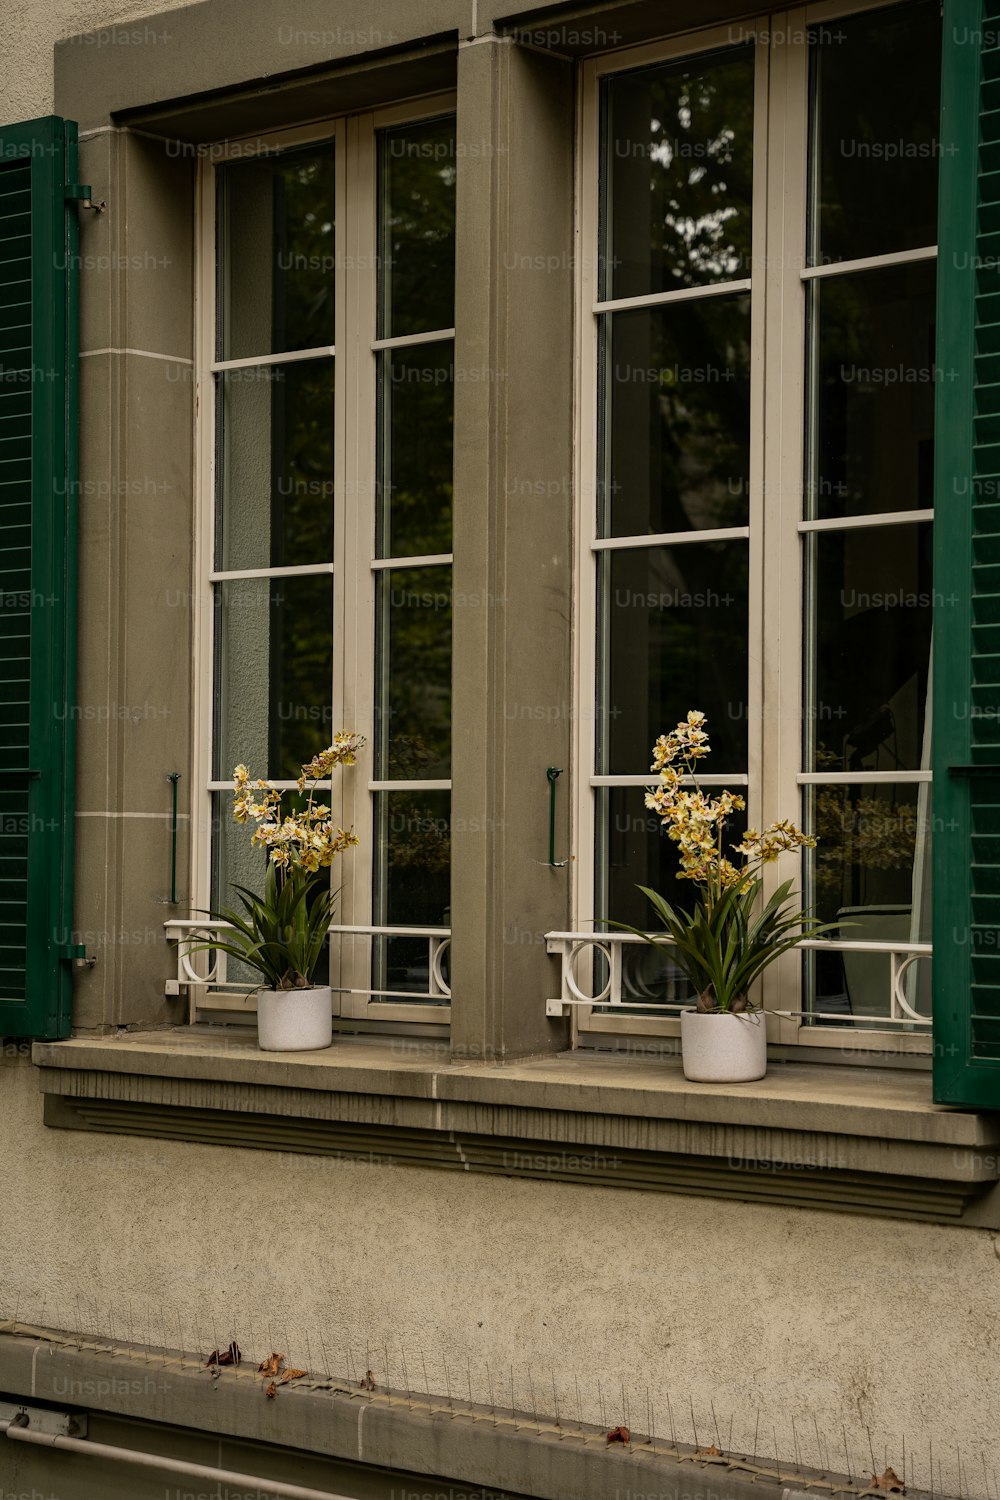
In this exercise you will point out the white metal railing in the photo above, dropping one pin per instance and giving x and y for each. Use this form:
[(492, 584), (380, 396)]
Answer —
[(628, 988), (203, 976)]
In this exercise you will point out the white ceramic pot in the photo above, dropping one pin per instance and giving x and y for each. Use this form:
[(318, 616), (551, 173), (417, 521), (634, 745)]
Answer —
[(294, 1020), (723, 1048)]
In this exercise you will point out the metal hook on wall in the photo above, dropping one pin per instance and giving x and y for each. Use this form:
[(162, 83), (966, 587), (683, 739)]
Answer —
[(553, 773)]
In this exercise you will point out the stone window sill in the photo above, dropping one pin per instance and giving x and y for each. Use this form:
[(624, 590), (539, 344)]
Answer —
[(808, 1135)]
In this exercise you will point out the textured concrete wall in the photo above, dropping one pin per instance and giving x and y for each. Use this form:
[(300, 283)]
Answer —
[(32, 27), (845, 1324)]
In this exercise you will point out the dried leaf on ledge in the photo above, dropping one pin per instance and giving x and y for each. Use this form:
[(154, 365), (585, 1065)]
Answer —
[(619, 1435), (271, 1391), (712, 1452), (271, 1365), (230, 1356), (368, 1383), (889, 1482), (291, 1375)]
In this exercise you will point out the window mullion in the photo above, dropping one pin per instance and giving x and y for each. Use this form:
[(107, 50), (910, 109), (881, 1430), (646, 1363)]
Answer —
[(203, 551), (354, 531), (781, 720)]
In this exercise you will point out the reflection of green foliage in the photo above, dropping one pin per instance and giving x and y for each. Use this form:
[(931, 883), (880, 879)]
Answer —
[(416, 479), (676, 621), (680, 137), (418, 227), (680, 444), (301, 671), (302, 464), (304, 249), (878, 83), (416, 609)]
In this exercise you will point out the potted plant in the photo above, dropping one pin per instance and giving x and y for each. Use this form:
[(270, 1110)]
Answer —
[(731, 935), (281, 933)]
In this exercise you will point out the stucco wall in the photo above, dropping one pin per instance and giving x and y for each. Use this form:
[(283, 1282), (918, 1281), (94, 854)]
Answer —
[(32, 27), (843, 1323)]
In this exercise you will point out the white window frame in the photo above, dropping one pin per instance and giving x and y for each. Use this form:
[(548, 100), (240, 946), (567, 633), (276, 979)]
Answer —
[(354, 566), (777, 435)]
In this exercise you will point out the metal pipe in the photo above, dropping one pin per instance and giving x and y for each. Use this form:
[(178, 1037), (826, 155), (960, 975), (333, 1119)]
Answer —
[(142, 1460)]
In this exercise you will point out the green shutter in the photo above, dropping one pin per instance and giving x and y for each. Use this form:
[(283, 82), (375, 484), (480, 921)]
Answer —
[(967, 567), (39, 265)]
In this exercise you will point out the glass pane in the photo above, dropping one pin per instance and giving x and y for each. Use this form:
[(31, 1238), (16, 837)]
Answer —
[(416, 477), (678, 174), (674, 624), (872, 447), (413, 887), (275, 466), (676, 400), (273, 673), (418, 228), (872, 601), (414, 698), (876, 90), (871, 873), (277, 253)]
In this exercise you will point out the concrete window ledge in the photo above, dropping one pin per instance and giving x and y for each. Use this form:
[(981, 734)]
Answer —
[(322, 1422), (808, 1135)]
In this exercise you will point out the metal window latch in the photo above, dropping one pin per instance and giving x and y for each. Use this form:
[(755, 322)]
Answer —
[(82, 193), (76, 954), (553, 773)]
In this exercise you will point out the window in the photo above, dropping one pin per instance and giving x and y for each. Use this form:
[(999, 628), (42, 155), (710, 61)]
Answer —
[(325, 544), (757, 397)]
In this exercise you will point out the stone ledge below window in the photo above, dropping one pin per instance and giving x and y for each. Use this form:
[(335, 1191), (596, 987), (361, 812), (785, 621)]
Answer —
[(808, 1135)]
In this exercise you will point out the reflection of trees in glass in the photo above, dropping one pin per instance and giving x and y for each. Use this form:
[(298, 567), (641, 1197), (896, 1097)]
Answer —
[(676, 627), (867, 838), (304, 250), (873, 445), (302, 464), (419, 830), (418, 227), (301, 671), (680, 140), (417, 464), (877, 81), (680, 417), (416, 692)]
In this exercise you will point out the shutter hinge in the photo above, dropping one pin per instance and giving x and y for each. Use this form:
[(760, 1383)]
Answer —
[(75, 954), (82, 193)]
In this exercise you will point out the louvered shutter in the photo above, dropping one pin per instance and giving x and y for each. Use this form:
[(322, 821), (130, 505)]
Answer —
[(967, 567), (39, 268)]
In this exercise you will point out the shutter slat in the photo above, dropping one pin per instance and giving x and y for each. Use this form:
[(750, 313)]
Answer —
[(966, 730), (38, 272)]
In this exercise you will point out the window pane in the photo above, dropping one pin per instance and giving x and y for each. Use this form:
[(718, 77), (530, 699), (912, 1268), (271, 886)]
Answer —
[(871, 873), (275, 465), (872, 605), (413, 885), (277, 253), (876, 89), (674, 626), (872, 447), (676, 398), (679, 174), (418, 228), (414, 700), (273, 673), (416, 470)]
